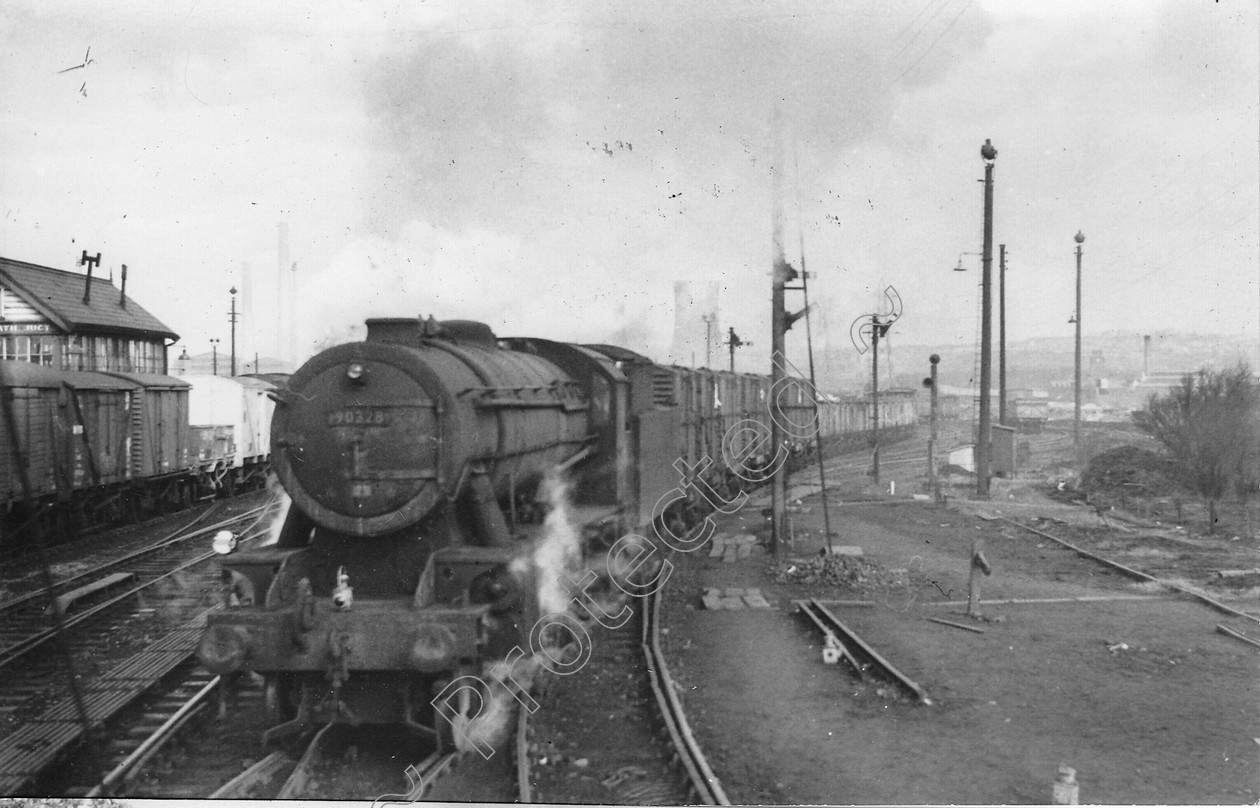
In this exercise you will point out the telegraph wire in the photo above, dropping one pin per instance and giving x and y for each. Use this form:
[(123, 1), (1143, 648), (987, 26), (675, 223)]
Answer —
[(922, 28), (932, 47)]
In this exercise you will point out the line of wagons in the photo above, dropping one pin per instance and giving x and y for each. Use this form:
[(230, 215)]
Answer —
[(711, 403), (85, 449)]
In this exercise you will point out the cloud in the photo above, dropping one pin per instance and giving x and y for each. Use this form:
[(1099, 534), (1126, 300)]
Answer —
[(553, 168)]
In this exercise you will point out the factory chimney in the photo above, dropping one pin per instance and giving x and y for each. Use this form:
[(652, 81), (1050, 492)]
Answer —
[(1146, 356)]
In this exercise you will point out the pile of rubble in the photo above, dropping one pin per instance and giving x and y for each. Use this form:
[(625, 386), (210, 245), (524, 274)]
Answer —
[(1131, 471), (848, 571)]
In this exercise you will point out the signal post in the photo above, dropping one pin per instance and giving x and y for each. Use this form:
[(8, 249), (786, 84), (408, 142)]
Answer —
[(780, 321)]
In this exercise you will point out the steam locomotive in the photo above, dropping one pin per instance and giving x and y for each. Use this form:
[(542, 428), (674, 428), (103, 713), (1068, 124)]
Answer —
[(414, 462)]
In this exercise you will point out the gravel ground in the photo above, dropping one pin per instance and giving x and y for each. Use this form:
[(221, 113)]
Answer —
[(595, 738), (1143, 698)]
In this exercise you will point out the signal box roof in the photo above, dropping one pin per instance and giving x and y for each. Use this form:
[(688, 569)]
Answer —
[(58, 295)]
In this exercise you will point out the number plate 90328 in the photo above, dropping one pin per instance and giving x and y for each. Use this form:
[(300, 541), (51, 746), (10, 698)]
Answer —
[(359, 416)]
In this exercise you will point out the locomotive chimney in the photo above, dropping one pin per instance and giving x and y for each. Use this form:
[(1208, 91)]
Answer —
[(399, 330), (122, 295)]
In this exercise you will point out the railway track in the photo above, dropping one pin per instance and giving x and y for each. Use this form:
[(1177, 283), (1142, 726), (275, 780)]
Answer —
[(165, 589), (845, 644), (1168, 569), (325, 767), (900, 457), (144, 729), (79, 559), (616, 732), (147, 689), (704, 784), (25, 622), (336, 758)]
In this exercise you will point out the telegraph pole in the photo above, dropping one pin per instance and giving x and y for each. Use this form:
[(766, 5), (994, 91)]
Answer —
[(778, 280), (875, 328), (778, 487), (1002, 334), (983, 444)]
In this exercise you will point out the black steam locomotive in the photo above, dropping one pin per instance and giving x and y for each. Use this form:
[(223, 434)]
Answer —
[(414, 462)]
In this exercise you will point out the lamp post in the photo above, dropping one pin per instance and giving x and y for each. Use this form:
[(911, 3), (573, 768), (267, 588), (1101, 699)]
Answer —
[(214, 356), (1076, 418), (983, 446), (931, 383), (232, 320)]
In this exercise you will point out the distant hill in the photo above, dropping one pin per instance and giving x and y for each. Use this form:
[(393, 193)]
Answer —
[(208, 363), (1116, 358)]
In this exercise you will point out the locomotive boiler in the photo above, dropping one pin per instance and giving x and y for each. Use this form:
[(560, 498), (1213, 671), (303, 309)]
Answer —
[(413, 460)]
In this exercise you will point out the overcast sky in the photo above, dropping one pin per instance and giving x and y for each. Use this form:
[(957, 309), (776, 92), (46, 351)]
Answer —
[(554, 168)]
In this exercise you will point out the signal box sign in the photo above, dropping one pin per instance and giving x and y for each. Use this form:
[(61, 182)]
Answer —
[(26, 328)]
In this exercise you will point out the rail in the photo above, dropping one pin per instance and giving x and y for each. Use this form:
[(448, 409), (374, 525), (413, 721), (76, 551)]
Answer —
[(424, 774), (32, 628), (131, 765), (1133, 573), (262, 772), (42, 744), (851, 647), (304, 771), (704, 782), (176, 537)]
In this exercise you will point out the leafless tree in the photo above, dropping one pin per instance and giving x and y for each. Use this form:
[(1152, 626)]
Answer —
[(1210, 424)]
